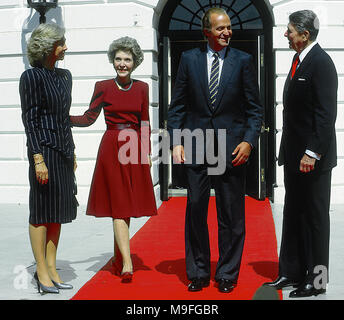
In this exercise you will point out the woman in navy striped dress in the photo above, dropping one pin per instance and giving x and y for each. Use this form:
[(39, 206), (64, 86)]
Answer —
[(45, 93)]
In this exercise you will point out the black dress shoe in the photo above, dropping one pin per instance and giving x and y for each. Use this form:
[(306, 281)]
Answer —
[(282, 282), (198, 284), (225, 285), (306, 290)]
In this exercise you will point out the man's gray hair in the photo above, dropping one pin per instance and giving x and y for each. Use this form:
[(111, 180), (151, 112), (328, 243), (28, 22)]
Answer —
[(305, 20), (126, 44), (42, 42)]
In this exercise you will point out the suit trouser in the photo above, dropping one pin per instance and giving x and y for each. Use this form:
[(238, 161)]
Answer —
[(230, 205), (306, 224)]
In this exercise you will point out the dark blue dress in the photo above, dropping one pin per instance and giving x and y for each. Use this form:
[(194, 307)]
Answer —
[(45, 101)]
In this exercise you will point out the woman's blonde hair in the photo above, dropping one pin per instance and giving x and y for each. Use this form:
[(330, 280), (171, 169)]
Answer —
[(42, 42)]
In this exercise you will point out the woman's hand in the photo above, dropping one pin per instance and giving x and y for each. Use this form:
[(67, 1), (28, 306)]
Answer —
[(75, 164), (149, 161), (41, 172), (40, 168)]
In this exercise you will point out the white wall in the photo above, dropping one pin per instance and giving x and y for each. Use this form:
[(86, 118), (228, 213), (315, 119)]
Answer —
[(330, 38), (90, 27)]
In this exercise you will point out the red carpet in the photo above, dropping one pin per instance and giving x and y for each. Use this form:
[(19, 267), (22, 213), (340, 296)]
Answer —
[(158, 257)]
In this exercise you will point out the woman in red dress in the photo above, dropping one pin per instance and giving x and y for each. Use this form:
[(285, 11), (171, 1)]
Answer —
[(121, 186)]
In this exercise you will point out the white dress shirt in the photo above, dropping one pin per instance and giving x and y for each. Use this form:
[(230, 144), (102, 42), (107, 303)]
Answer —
[(210, 59), (304, 52)]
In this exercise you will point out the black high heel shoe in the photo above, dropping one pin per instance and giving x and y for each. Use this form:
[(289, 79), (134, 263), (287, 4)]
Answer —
[(44, 288)]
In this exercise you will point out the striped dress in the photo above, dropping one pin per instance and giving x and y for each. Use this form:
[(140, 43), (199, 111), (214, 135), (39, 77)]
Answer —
[(45, 101)]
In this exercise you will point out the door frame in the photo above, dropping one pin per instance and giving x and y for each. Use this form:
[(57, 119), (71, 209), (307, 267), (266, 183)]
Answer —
[(268, 60)]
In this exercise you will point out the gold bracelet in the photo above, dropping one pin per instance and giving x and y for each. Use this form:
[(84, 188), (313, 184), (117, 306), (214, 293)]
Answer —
[(38, 156)]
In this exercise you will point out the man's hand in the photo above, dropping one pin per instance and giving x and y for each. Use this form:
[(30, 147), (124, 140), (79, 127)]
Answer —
[(307, 163), (178, 154), (242, 152)]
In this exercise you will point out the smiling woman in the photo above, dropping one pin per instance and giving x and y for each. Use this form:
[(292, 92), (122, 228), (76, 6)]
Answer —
[(60, 49), (125, 54), (43, 44), (121, 189), (45, 93), (123, 64)]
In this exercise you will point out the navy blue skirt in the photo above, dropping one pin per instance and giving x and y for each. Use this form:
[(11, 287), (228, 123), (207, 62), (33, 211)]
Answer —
[(55, 201)]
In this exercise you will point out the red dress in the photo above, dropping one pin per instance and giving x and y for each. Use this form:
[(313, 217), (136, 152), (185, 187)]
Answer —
[(121, 184)]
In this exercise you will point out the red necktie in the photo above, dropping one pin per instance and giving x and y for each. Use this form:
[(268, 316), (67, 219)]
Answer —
[(295, 63)]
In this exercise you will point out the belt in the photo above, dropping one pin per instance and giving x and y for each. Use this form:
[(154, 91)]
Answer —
[(121, 126)]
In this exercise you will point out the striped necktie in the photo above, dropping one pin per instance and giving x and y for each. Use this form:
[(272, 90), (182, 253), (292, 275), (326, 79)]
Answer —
[(214, 79)]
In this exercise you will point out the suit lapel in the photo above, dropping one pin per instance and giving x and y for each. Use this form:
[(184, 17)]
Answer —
[(288, 80), (304, 64), (306, 61), (289, 84), (202, 69)]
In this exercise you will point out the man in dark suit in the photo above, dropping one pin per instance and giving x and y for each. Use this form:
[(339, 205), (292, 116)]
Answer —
[(216, 99), (308, 153)]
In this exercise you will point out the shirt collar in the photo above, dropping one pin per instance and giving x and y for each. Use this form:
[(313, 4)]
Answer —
[(306, 50), (211, 52)]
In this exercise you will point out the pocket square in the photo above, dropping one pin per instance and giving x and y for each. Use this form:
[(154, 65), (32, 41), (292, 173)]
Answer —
[(301, 79)]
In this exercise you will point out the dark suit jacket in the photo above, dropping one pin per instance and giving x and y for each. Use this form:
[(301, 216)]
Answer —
[(45, 101), (237, 108), (310, 110)]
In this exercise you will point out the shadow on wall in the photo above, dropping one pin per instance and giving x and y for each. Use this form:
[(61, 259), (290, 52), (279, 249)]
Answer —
[(31, 22)]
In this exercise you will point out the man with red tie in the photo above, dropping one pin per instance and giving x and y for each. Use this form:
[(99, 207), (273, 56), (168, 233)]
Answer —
[(308, 153)]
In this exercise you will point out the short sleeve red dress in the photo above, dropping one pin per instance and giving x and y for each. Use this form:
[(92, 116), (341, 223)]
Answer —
[(121, 184)]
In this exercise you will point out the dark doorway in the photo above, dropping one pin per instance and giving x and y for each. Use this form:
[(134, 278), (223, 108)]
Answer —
[(180, 31)]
